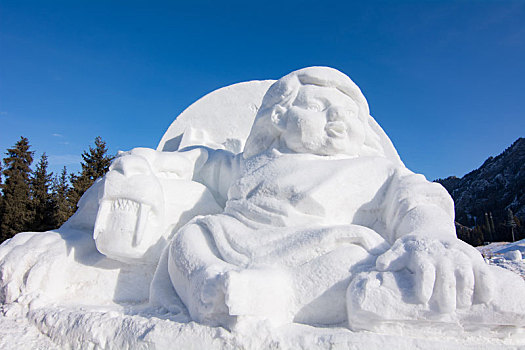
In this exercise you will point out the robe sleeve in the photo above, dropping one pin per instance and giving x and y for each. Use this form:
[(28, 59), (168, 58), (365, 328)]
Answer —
[(413, 205), (217, 170)]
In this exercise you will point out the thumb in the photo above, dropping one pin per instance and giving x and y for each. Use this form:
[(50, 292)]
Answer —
[(393, 259)]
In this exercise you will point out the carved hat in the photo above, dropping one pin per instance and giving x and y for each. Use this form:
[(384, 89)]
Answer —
[(283, 92)]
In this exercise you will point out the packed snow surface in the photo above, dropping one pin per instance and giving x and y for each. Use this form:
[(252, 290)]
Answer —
[(506, 255), (272, 214)]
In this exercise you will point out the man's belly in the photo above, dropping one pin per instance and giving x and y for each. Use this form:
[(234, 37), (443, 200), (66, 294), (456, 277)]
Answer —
[(295, 190)]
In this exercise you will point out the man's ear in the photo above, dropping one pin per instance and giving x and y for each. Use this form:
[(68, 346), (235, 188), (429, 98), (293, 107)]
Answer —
[(277, 117)]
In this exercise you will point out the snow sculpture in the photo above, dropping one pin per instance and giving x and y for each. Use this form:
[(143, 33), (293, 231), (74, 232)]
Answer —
[(322, 223), (317, 222), (138, 208), (219, 120)]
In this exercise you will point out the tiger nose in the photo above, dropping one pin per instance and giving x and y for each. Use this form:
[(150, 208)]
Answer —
[(130, 165)]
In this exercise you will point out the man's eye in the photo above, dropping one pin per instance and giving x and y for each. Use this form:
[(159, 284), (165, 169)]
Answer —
[(314, 107)]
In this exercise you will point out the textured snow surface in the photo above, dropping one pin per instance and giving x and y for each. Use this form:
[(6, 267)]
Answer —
[(270, 216), (506, 255), (107, 328), (143, 327), (221, 119)]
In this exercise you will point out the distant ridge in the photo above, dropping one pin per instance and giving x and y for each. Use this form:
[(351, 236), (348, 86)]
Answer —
[(495, 187)]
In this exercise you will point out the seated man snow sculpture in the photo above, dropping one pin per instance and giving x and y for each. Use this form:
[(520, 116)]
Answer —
[(317, 222), (317, 206)]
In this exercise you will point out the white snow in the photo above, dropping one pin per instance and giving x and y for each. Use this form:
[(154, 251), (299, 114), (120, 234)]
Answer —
[(513, 255), (314, 236), (505, 255), (220, 120), (82, 328)]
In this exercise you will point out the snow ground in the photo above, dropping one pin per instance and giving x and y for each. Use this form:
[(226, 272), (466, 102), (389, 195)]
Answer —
[(83, 327), (78, 328), (497, 254)]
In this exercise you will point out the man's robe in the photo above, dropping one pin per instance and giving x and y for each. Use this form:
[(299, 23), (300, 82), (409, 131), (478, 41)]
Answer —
[(288, 209)]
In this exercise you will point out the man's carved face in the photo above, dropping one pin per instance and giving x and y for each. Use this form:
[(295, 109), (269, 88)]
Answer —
[(322, 121)]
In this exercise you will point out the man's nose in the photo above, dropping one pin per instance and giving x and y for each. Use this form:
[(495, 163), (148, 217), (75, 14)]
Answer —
[(337, 113)]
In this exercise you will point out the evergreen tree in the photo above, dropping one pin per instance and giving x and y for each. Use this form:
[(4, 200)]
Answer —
[(95, 164), (41, 199), (511, 223), (477, 233), (62, 210), (492, 228), (16, 211), (1, 197), (488, 227)]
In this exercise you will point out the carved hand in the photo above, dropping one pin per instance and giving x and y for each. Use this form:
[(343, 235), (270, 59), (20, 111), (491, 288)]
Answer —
[(447, 272)]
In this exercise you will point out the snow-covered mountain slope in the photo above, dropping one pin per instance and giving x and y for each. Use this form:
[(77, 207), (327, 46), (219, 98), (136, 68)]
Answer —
[(499, 184)]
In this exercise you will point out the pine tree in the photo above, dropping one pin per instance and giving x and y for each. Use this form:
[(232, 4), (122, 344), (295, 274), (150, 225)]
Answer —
[(492, 227), (95, 164), (41, 199), (62, 210), (477, 233), (488, 227), (1, 199), (511, 223), (16, 211)]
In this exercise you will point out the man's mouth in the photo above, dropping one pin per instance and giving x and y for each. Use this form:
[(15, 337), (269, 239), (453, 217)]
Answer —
[(335, 129)]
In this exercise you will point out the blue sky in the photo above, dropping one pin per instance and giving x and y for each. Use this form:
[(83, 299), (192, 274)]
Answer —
[(446, 80)]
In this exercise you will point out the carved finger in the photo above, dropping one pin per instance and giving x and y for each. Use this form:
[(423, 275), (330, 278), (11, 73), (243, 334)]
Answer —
[(9, 291), (18, 239), (464, 285), (38, 277), (394, 259), (474, 255), (445, 287), (15, 266), (425, 277), (39, 242), (16, 261), (484, 284), (11, 277)]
